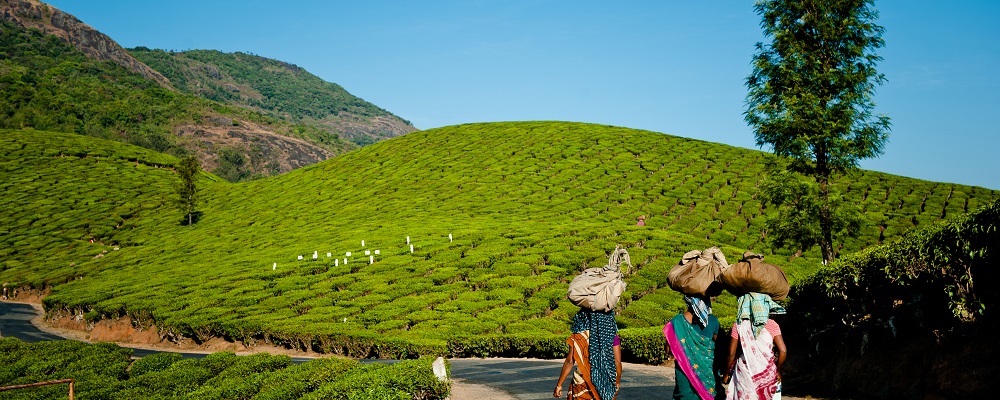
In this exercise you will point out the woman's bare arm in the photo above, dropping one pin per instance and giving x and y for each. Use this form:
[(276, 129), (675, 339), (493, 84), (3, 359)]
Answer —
[(618, 366), (782, 352), (567, 367)]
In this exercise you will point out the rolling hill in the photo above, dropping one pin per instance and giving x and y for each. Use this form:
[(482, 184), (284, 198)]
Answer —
[(500, 215), (243, 116)]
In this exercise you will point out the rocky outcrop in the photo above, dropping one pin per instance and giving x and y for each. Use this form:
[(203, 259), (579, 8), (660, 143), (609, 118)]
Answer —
[(30, 14)]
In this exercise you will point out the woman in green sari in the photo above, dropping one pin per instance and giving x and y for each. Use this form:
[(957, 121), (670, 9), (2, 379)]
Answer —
[(691, 339)]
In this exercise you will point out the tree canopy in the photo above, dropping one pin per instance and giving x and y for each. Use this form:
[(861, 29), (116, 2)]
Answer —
[(810, 94)]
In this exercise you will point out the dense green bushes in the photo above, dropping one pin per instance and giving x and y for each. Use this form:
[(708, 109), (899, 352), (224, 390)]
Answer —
[(928, 300), (105, 371), (518, 237)]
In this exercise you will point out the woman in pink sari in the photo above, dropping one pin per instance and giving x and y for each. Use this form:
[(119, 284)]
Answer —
[(756, 374)]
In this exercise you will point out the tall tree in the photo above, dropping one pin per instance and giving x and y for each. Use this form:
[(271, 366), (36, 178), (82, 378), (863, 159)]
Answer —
[(810, 95), (187, 191)]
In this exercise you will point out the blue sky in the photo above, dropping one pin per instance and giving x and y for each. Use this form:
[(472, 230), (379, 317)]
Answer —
[(666, 66)]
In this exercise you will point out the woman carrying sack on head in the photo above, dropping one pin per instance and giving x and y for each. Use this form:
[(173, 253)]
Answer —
[(691, 339), (595, 348), (756, 374)]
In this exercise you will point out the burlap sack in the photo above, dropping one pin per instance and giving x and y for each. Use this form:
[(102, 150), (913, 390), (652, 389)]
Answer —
[(599, 289), (697, 273), (596, 289), (751, 274)]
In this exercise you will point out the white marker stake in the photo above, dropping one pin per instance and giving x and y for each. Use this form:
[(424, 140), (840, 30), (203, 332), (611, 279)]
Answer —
[(411, 248), (407, 240), (336, 262), (345, 319), (315, 254), (362, 243), (371, 259), (345, 261), (275, 267), (450, 239)]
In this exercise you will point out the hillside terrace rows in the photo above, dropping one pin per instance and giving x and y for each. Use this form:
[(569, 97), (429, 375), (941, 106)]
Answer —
[(529, 205)]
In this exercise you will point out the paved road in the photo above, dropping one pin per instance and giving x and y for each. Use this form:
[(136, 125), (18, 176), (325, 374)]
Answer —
[(529, 379), (524, 379)]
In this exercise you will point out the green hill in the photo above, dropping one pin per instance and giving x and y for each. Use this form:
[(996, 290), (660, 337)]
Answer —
[(528, 205), (243, 116)]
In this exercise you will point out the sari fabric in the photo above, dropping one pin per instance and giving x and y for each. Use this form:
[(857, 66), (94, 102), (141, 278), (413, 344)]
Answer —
[(601, 331), (581, 387), (756, 307), (701, 308), (694, 353), (755, 376)]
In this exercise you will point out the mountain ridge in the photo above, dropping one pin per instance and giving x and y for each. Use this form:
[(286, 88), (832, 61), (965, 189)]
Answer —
[(79, 82), (50, 20)]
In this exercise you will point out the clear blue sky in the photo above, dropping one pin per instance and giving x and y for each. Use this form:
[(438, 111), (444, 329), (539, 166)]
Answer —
[(666, 66)]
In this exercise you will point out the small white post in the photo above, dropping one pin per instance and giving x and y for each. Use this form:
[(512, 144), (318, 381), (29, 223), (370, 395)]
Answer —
[(362, 243), (450, 238), (376, 252), (345, 319), (336, 262), (274, 267), (407, 240), (315, 254), (411, 248), (300, 258), (328, 255), (345, 261), (371, 259)]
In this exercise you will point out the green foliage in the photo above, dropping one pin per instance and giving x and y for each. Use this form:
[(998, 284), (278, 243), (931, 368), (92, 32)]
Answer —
[(47, 84), (927, 299), (187, 191), (933, 272), (810, 95), (795, 220), (102, 371), (528, 205), (278, 89)]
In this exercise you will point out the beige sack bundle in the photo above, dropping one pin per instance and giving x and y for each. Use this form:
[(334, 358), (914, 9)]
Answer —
[(599, 289), (697, 273), (751, 274)]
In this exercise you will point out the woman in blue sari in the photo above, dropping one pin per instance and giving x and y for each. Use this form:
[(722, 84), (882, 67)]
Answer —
[(691, 339)]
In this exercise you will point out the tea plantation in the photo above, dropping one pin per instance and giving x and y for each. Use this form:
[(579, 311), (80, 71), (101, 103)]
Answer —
[(501, 216), (106, 371)]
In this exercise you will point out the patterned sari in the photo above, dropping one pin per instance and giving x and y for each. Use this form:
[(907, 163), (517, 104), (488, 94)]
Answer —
[(755, 375), (693, 354), (591, 347)]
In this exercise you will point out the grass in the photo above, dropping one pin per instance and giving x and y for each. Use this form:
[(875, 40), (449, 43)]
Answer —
[(528, 205)]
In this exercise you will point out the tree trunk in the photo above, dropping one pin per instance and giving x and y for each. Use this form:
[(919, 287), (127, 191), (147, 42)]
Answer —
[(825, 221)]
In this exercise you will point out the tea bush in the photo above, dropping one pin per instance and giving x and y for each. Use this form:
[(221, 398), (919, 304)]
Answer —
[(527, 205)]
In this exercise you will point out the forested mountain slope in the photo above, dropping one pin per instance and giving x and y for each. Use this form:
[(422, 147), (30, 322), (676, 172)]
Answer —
[(60, 74), (278, 89), (500, 215)]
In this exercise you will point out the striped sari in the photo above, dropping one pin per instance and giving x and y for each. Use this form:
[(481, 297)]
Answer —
[(591, 348)]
